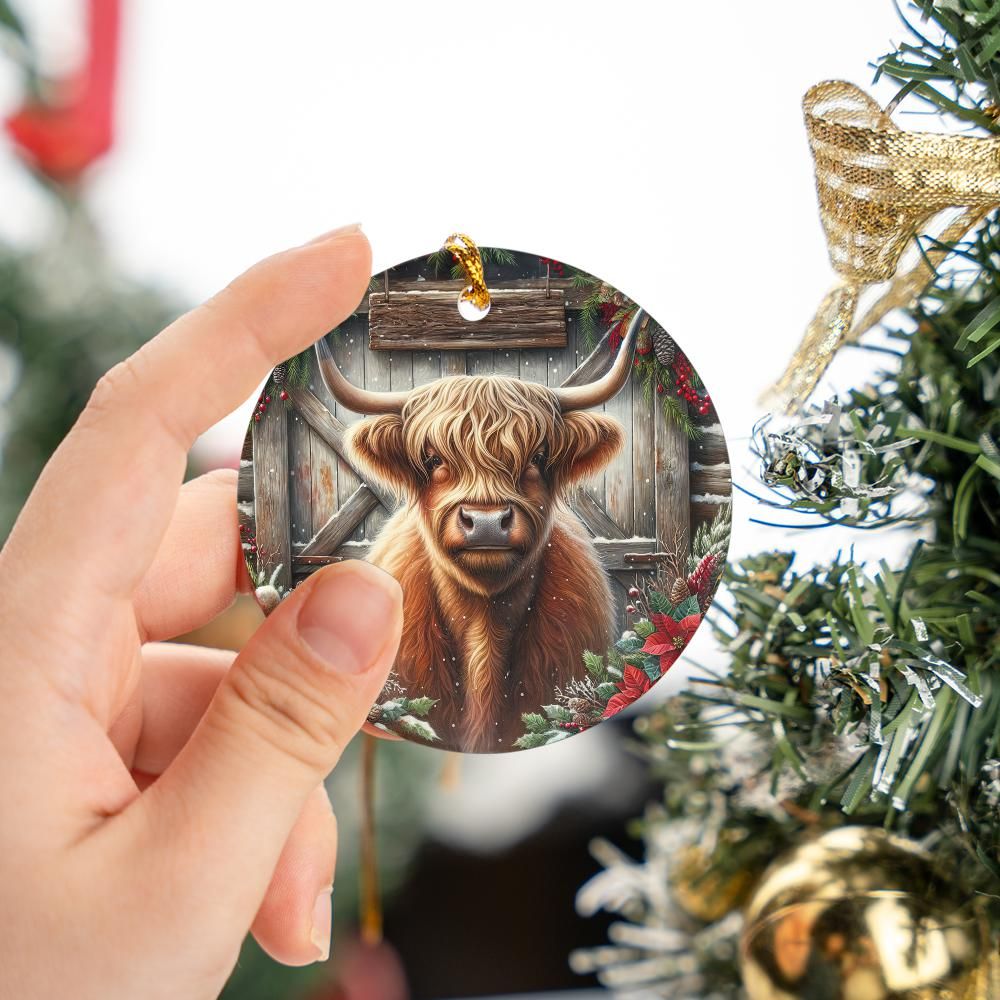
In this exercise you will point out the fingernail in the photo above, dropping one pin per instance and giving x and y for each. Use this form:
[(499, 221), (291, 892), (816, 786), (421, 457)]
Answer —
[(344, 615), (354, 227), (322, 923)]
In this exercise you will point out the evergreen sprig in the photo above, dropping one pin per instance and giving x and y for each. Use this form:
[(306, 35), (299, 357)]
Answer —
[(952, 59)]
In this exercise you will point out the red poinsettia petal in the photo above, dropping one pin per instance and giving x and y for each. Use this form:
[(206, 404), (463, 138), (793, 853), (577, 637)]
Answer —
[(634, 684), (616, 704), (668, 659), (658, 644), (689, 625), (663, 623), (637, 678)]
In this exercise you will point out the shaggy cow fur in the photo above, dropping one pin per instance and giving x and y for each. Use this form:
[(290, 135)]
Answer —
[(489, 634)]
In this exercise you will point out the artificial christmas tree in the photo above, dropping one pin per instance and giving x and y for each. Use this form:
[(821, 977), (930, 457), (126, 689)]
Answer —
[(855, 696)]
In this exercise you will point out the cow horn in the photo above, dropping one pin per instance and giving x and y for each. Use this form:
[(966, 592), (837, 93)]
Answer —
[(583, 397), (354, 398)]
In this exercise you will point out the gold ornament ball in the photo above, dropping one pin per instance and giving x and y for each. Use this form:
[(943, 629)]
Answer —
[(859, 914)]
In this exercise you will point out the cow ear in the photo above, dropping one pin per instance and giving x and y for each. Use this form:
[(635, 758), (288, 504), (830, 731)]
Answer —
[(376, 446), (590, 441)]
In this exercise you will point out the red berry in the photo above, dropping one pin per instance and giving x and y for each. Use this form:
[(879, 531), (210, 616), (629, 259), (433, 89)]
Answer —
[(256, 418), (636, 363), (630, 609), (634, 592), (284, 395), (659, 389), (267, 399)]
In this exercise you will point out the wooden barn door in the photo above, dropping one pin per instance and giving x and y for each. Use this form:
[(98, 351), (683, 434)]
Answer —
[(637, 510)]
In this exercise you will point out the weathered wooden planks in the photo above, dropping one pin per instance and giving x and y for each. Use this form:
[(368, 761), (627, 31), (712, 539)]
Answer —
[(712, 479), (573, 295), (633, 554), (342, 524), (422, 319), (673, 484), (619, 477), (330, 430), (300, 477), (598, 521), (270, 468), (623, 555), (710, 448)]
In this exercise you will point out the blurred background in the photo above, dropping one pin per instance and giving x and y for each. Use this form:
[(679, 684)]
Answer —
[(153, 150)]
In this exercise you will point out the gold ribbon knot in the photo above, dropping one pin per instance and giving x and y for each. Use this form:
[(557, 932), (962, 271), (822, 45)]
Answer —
[(878, 187), (467, 254)]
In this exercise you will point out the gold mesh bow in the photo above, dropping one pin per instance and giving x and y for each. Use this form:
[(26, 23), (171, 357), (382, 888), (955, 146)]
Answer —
[(878, 187)]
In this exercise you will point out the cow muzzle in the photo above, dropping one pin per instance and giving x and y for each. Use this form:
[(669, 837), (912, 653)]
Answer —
[(485, 527)]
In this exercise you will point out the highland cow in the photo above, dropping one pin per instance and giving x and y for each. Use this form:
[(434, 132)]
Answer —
[(503, 588)]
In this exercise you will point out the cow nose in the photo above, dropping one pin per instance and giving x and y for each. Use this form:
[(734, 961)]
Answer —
[(486, 527)]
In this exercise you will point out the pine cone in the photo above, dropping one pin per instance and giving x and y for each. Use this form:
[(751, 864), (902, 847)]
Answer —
[(280, 374), (582, 720), (664, 347), (578, 705), (679, 591), (374, 714)]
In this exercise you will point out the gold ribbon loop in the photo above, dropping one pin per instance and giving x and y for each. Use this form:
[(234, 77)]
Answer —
[(476, 293), (878, 187)]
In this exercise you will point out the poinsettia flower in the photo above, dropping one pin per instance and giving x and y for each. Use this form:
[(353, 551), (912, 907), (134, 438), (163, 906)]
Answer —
[(670, 637), (633, 685)]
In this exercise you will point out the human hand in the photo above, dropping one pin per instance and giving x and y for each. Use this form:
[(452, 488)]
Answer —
[(159, 800)]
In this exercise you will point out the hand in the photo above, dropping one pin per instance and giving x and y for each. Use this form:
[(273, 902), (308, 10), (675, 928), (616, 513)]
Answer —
[(159, 800)]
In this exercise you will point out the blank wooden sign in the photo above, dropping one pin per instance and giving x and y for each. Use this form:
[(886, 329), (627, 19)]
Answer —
[(418, 319)]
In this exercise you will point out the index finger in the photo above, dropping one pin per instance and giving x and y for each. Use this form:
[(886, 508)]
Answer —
[(105, 499)]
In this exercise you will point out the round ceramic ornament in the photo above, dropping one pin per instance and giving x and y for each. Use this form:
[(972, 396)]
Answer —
[(533, 458)]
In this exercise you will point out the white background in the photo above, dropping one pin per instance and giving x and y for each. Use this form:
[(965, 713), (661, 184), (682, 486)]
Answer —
[(659, 146)]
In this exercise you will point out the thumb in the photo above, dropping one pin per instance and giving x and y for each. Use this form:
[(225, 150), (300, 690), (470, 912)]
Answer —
[(293, 699)]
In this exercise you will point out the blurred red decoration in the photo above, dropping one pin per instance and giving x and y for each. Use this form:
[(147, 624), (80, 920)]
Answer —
[(366, 972), (64, 136)]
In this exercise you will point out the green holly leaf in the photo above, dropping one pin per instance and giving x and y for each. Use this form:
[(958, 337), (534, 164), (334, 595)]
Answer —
[(659, 603), (392, 711), (534, 722), (652, 668), (558, 713), (531, 740), (606, 691), (593, 663), (689, 606), (419, 706), (631, 645), (643, 628), (412, 726)]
